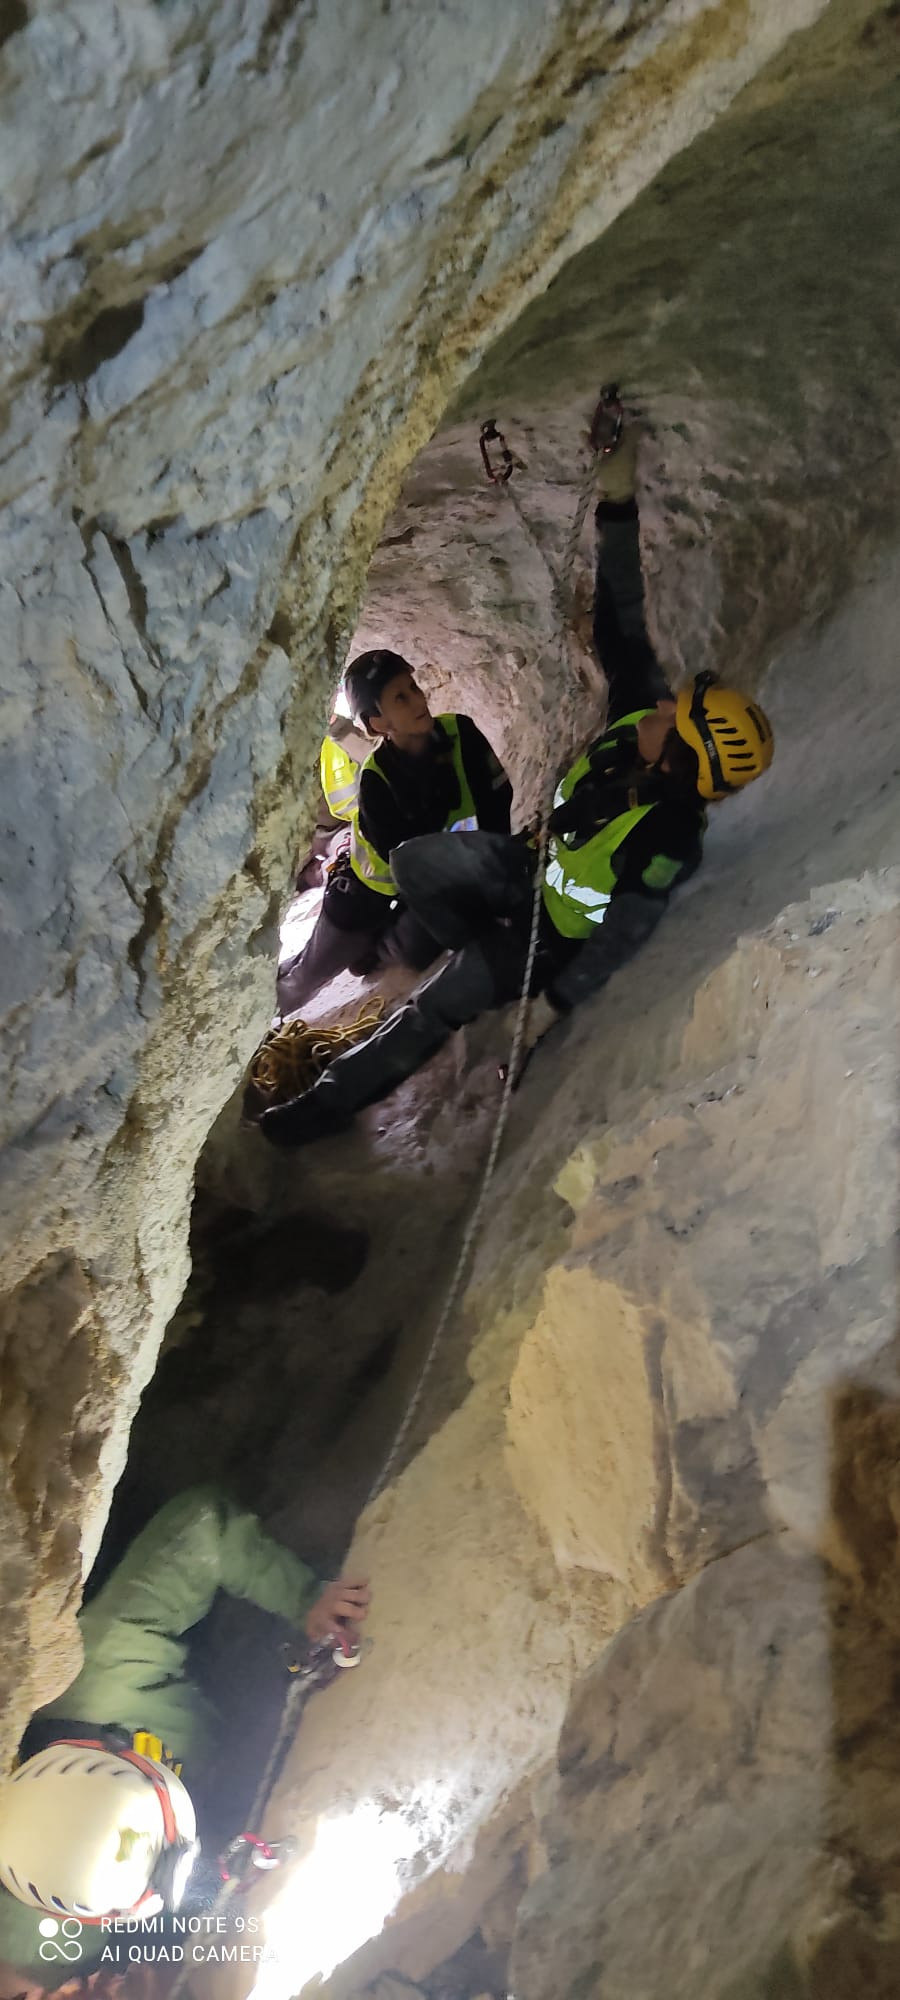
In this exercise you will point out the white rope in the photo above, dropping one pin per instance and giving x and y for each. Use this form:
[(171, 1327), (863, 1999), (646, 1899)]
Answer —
[(563, 593), (563, 596)]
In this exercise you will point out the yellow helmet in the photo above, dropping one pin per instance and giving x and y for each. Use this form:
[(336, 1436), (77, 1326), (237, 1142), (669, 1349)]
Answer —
[(730, 735)]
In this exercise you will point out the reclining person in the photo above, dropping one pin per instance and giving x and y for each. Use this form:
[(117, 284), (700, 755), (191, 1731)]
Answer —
[(627, 827), (98, 1821), (426, 775)]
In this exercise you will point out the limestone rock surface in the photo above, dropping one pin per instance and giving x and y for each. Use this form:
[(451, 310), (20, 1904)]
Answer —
[(722, 1824), (656, 1522), (687, 1281), (248, 251), (660, 1395)]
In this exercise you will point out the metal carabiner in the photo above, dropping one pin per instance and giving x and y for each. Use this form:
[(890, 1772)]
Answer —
[(608, 418), (246, 1852), (491, 435)]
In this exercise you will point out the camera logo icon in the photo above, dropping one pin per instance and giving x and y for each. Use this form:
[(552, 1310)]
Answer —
[(60, 1940)]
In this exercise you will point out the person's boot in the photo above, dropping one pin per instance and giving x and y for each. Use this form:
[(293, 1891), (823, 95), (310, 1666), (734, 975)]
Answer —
[(303, 1119)]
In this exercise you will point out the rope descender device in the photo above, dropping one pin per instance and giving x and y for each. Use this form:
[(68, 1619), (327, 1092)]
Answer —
[(606, 423), (246, 1852), (488, 436)]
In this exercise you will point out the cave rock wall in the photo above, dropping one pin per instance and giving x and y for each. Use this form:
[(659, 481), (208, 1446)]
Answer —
[(249, 249), (673, 1459)]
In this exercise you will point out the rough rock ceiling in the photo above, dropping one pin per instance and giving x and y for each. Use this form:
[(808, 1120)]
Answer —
[(746, 304)]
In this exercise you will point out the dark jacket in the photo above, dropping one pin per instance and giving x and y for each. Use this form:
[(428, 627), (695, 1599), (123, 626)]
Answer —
[(414, 795), (665, 847)]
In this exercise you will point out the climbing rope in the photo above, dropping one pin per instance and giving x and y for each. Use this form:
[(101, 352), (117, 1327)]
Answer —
[(248, 1849), (275, 1067), (563, 582), (563, 594), (293, 1056)]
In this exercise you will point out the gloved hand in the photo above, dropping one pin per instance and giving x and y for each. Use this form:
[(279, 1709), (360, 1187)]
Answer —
[(340, 1605), (583, 813)]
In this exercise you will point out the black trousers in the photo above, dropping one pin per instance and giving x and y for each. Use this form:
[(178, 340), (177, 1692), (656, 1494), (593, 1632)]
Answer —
[(473, 892), (355, 930)]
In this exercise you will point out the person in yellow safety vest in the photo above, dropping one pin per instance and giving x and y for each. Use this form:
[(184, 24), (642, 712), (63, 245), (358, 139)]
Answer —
[(627, 826), (339, 775), (426, 775), (343, 751)]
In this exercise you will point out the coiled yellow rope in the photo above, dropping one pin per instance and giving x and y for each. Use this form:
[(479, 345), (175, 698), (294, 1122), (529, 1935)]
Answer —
[(292, 1057)]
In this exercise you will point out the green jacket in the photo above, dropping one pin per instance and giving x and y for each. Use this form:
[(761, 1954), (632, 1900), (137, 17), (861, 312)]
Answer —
[(135, 1650), (135, 1629)]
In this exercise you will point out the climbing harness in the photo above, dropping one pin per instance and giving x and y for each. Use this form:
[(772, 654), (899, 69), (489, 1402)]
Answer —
[(499, 475), (294, 1055)]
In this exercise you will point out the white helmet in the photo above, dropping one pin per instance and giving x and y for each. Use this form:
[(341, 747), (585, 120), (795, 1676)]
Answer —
[(89, 1832)]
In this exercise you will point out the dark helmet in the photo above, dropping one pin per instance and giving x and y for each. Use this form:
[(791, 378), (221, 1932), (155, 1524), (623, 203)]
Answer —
[(366, 679)]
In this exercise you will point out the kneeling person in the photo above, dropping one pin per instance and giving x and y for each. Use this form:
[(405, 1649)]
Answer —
[(427, 775)]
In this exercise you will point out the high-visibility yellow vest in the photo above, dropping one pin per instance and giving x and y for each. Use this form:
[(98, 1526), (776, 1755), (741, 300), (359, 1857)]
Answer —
[(579, 881), (374, 868), (339, 773)]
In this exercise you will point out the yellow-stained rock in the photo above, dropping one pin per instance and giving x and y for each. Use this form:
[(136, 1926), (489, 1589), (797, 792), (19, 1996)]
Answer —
[(580, 1431)]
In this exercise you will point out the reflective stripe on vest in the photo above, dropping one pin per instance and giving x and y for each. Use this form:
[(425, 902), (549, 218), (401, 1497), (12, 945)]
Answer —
[(366, 862), (579, 882), (339, 774)]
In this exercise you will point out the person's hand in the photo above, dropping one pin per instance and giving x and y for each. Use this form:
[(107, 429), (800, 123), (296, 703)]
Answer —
[(340, 1605)]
